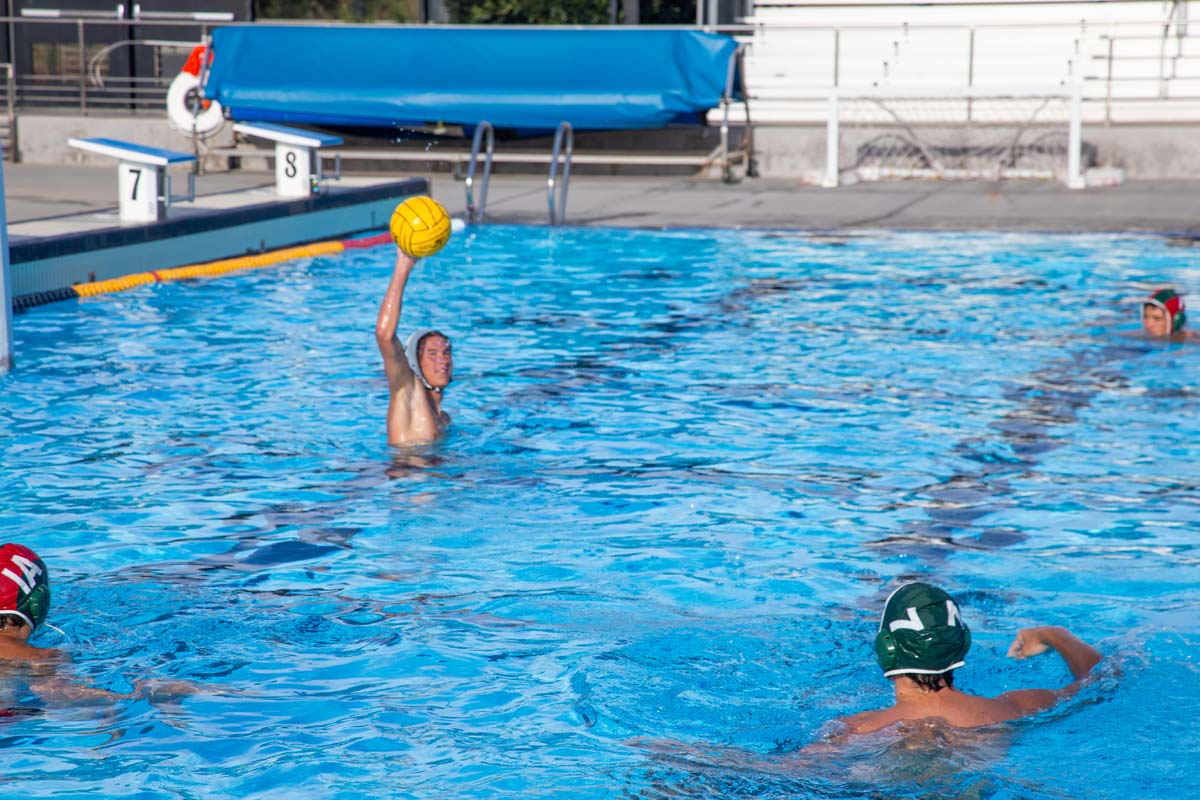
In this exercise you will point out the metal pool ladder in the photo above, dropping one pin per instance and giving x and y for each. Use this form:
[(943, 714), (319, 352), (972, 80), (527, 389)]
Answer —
[(556, 191), (474, 213), (558, 210)]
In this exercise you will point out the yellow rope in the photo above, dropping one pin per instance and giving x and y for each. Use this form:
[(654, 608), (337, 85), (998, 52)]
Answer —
[(209, 269), (113, 285)]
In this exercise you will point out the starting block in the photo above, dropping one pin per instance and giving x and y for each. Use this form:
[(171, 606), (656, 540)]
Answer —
[(143, 185), (297, 162)]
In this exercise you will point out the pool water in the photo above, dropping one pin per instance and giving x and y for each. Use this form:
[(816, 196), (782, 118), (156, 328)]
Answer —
[(686, 468)]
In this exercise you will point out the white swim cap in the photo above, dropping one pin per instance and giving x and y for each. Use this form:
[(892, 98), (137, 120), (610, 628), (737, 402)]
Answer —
[(410, 352)]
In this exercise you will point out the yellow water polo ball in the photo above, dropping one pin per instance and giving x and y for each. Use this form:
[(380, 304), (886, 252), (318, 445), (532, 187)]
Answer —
[(420, 226)]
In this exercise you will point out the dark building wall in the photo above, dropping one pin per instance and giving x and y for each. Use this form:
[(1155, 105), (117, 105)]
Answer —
[(40, 50)]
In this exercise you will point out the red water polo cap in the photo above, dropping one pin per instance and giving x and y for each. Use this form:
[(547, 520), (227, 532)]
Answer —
[(24, 584)]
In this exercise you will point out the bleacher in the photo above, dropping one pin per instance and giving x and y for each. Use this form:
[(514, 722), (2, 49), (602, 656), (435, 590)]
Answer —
[(1137, 61)]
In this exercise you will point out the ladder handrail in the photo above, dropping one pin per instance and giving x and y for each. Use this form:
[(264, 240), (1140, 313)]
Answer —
[(564, 127), (476, 214), (735, 73), (96, 74)]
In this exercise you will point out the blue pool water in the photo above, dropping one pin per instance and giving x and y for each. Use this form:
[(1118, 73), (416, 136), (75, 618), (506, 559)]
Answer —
[(686, 468)]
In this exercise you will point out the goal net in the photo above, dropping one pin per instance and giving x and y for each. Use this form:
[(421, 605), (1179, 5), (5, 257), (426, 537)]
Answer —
[(955, 134)]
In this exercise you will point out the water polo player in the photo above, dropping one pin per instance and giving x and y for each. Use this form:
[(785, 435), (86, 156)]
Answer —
[(24, 602), (922, 639), (418, 371), (1164, 316)]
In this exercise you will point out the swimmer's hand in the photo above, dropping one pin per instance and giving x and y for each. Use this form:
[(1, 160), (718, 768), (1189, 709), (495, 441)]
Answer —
[(1079, 655), (1030, 642), (157, 690)]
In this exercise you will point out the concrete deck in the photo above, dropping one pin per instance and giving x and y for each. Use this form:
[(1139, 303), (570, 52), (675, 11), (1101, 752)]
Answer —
[(37, 191), (760, 203)]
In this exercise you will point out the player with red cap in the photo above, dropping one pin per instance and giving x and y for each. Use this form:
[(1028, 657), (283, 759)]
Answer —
[(24, 602), (1164, 315)]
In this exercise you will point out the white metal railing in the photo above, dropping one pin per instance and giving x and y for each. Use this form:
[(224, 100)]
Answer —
[(99, 61), (1108, 58)]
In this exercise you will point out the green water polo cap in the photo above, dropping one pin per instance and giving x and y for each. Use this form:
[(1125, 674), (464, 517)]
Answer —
[(921, 632)]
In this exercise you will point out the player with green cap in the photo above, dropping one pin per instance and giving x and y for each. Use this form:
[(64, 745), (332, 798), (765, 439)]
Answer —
[(922, 639)]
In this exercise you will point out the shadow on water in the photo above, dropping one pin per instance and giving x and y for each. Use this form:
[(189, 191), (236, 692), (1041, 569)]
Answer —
[(294, 532), (615, 369), (1048, 401)]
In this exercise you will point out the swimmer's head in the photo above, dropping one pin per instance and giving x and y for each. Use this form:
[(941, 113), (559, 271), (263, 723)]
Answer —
[(24, 585), (1163, 313), (430, 358), (921, 633)]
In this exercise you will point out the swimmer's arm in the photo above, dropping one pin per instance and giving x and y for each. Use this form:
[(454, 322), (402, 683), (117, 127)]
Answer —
[(1080, 657), (833, 737), (61, 690), (26, 653), (394, 362), (703, 754)]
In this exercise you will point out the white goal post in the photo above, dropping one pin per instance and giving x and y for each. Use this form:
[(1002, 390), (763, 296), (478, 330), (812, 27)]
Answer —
[(948, 133)]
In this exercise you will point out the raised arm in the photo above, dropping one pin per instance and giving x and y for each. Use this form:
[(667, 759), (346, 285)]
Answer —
[(1079, 655), (394, 362)]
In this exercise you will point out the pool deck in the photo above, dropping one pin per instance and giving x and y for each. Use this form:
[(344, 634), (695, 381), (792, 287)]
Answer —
[(762, 203), (235, 219), (38, 191)]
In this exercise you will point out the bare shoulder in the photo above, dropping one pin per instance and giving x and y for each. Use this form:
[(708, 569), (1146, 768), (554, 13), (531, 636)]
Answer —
[(962, 711), (17, 652), (868, 721)]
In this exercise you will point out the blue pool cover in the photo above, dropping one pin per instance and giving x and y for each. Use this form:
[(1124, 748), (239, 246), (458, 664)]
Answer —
[(513, 78)]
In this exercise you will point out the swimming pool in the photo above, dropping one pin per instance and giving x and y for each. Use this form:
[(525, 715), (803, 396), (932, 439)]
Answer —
[(685, 469)]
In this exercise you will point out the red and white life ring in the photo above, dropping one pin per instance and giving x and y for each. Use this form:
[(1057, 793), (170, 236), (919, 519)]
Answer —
[(181, 99)]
